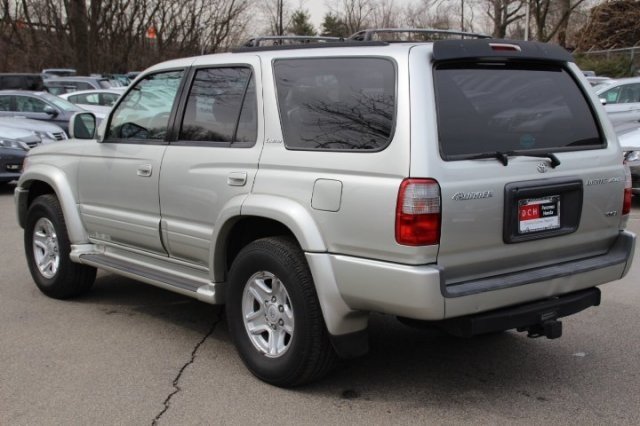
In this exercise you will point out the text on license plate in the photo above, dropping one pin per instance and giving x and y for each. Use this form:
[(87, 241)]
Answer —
[(538, 214)]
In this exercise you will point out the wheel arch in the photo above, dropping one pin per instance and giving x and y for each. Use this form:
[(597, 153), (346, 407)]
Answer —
[(259, 216), (44, 179)]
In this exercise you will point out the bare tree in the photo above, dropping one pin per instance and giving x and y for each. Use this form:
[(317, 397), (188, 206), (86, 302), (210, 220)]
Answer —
[(503, 13)]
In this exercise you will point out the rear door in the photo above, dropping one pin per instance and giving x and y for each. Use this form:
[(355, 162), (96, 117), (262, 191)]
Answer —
[(214, 160), (527, 175)]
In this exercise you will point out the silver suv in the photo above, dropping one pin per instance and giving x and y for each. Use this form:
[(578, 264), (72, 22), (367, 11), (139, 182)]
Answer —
[(474, 184)]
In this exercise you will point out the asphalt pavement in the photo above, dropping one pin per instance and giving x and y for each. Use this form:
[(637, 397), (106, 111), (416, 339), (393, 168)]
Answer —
[(132, 354)]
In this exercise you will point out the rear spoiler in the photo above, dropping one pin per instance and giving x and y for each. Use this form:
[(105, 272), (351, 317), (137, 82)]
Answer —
[(447, 50)]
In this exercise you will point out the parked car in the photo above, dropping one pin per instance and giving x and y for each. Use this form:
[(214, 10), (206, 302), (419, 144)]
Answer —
[(61, 85), (622, 99), (470, 184), (27, 138), (629, 138), (99, 100), (12, 155), (21, 81), (58, 72), (47, 132), (598, 81), (38, 106)]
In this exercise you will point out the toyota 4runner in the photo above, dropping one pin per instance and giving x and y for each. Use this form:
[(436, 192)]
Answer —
[(473, 184)]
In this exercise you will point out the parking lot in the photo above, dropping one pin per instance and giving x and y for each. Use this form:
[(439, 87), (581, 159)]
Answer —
[(129, 353)]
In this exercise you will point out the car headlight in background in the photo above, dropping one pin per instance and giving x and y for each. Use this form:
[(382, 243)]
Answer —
[(44, 135), (11, 144), (632, 156)]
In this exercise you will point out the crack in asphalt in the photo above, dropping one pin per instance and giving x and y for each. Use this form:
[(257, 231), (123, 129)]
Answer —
[(176, 381)]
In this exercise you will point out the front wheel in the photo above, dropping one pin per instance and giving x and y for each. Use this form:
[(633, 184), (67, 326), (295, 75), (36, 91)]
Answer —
[(47, 249), (274, 316)]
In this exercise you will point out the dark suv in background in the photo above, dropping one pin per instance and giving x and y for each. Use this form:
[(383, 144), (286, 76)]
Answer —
[(21, 81)]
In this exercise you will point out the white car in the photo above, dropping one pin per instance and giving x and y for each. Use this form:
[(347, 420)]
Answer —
[(44, 132), (98, 101), (621, 99)]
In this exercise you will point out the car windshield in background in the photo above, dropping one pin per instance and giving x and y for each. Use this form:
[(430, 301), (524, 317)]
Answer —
[(60, 103), (510, 107), (331, 104)]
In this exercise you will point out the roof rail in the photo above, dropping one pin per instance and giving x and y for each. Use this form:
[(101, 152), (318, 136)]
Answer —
[(428, 34), (288, 40)]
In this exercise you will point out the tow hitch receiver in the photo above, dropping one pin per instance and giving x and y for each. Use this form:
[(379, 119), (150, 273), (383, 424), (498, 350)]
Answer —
[(539, 318), (551, 329)]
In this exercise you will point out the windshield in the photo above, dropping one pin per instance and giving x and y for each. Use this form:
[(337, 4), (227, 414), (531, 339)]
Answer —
[(511, 107), (63, 104)]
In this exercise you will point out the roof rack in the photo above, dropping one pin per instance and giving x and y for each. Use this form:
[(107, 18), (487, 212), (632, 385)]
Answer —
[(427, 34), (288, 40)]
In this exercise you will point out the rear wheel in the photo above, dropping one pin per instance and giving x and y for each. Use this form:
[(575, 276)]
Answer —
[(274, 315), (47, 249)]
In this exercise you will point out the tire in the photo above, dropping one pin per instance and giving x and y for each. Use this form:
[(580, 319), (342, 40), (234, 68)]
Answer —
[(47, 249), (271, 290)]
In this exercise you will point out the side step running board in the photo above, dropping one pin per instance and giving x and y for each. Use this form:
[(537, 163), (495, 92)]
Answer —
[(195, 288)]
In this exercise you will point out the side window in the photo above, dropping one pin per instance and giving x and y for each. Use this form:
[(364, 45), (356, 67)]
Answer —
[(221, 107), (90, 99), (336, 103), (629, 93), (145, 110), (76, 99), (611, 95), (5, 103), (81, 85), (27, 104), (108, 99)]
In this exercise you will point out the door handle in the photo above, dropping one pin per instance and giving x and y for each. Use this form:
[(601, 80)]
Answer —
[(237, 179), (145, 170)]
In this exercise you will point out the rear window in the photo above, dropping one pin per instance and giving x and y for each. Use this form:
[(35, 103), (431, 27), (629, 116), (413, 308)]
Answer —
[(336, 103), (510, 107)]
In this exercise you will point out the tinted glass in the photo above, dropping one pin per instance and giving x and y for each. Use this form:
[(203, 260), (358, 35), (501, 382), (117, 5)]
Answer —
[(145, 110), (27, 104), (109, 99), (511, 107), (336, 103), (105, 84), (215, 104), (63, 104)]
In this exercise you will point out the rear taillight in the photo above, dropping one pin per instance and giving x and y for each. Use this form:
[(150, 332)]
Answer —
[(626, 205), (418, 212)]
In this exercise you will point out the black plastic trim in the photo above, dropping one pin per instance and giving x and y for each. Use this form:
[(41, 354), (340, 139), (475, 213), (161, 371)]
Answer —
[(522, 316), (351, 345), (570, 191), (619, 254), (446, 50)]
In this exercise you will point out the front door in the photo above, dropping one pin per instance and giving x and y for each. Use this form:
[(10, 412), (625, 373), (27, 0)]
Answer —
[(118, 178)]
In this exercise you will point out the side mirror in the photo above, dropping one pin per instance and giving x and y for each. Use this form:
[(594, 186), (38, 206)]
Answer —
[(50, 111), (603, 101), (82, 125)]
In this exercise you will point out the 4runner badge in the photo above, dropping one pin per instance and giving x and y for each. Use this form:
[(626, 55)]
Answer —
[(463, 196)]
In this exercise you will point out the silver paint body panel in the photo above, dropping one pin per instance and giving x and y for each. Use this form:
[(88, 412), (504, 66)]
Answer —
[(340, 206)]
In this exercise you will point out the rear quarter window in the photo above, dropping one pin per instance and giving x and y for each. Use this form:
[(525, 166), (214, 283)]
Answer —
[(336, 104), (511, 107)]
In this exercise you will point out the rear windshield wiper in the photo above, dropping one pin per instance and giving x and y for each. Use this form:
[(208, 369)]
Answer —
[(503, 157)]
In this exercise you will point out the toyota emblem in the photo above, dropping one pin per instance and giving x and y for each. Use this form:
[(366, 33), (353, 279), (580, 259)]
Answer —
[(542, 168)]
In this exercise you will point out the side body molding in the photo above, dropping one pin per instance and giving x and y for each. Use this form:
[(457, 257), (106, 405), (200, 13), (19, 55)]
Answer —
[(59, 181)]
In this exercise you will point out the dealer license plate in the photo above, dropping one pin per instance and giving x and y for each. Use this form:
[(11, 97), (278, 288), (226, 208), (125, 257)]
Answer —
[(538, 214)]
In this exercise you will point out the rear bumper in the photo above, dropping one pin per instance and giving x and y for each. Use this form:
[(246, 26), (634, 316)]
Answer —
[(420, 292), (522, 316)]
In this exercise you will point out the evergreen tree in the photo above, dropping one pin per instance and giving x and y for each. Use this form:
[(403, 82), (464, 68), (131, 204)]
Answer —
[(333, 26), (300, 24)]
